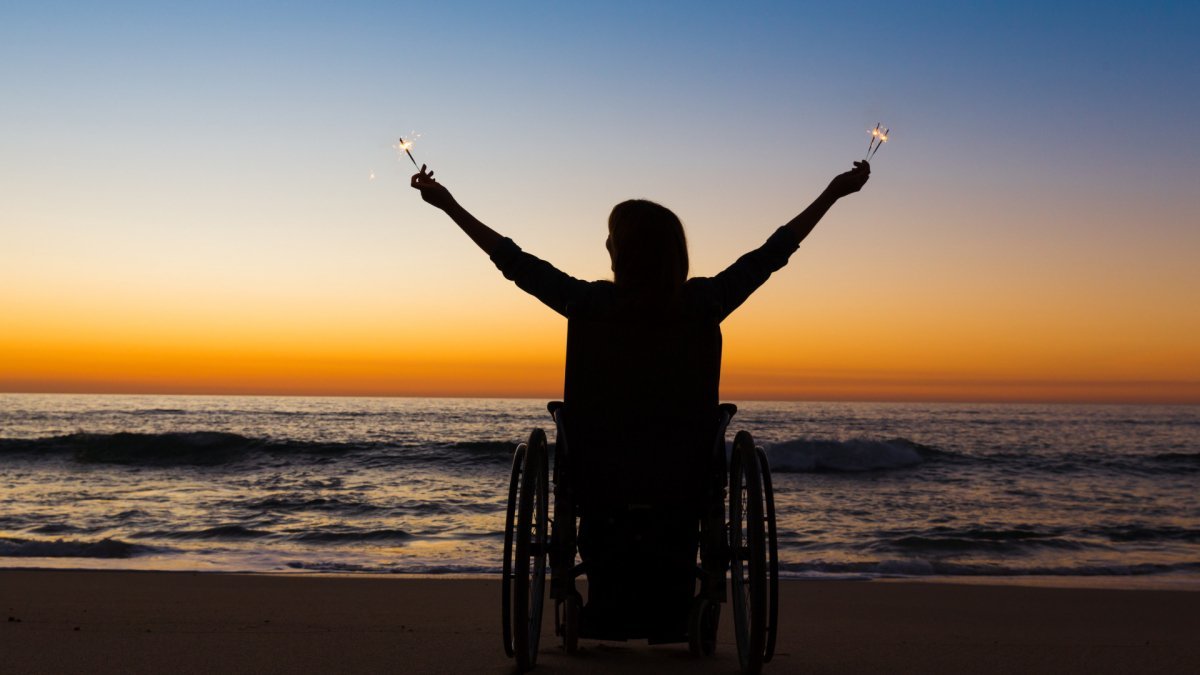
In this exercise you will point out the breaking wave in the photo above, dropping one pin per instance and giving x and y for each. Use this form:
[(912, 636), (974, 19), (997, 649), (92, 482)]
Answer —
[(809, 456), (62, 548), (215, 448), (178, 448)]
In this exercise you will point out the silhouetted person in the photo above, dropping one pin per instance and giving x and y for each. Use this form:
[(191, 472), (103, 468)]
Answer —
[(641, 392)]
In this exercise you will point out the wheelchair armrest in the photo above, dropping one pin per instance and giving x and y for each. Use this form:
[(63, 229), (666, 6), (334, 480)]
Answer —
[(557, 408), (727, 411)]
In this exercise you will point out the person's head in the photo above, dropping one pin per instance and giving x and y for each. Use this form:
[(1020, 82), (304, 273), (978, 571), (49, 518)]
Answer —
[(648, 248)]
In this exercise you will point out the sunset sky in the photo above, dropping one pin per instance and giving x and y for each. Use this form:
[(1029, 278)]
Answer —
[(186, 203)]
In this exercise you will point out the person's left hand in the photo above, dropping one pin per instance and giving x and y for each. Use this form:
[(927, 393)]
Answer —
[(432, 191), (850, 182)]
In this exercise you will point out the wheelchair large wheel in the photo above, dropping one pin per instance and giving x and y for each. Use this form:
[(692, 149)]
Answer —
[(514, 482), (748, 554), (525, 537), (772, 556)]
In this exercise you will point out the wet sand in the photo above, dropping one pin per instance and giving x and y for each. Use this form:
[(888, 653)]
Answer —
[(150, 622)]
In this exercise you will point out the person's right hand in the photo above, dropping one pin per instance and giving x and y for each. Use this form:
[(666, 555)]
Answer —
[(849, 182), (432, 191)]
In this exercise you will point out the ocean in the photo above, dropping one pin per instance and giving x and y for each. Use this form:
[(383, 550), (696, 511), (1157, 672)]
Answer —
[(1107, 493)]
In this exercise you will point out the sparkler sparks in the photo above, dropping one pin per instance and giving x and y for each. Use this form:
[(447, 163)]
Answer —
[(406, 146), (878, 138)]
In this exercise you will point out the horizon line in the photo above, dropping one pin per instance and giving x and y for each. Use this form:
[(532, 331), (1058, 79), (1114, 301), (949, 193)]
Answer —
[(556, 397)]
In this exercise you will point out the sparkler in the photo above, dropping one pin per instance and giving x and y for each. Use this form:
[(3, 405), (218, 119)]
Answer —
[(874, 134), (406, 147), (878, 138)]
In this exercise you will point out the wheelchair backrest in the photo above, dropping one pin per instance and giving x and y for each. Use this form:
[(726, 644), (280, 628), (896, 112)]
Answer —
[(641, 399)]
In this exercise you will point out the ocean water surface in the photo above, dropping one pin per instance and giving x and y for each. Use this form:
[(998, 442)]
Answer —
[(410, 485)]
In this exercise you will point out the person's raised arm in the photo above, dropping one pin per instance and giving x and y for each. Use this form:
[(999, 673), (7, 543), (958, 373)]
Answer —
[(533, 275), (732, 286), (436, 194), (841, 185)]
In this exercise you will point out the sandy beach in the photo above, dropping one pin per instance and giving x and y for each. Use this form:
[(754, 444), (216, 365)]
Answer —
[(151, 622)]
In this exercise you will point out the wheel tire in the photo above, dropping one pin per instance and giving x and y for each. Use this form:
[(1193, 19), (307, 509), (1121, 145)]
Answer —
[(530, 537), (514, 482), (772, 557), (748, 554)]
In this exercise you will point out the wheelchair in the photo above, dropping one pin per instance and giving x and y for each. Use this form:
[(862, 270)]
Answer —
[(636, 487)]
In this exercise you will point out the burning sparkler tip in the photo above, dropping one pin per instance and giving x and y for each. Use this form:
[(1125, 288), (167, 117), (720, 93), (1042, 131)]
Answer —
[(406, 147), (878, 138)]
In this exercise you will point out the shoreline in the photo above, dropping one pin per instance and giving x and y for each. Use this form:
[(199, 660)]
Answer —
[(1187, 583), (130, 622)]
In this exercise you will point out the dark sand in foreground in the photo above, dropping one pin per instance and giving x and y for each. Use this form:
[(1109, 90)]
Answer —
[(140, 622)]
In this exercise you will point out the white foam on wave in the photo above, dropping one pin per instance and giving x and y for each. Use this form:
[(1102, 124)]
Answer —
[(60, 548), (804, 456)]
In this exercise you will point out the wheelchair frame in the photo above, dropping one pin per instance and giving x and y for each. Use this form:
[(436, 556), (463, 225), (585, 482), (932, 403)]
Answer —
[(745, 545)]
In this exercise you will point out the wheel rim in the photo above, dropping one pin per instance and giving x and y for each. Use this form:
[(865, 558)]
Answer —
[(506, 607), (772, 557), (529, 573), (537, 589), (736, 546), (747, 543)]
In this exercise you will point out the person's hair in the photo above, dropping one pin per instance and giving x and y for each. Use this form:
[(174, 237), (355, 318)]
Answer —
[(649, 249)]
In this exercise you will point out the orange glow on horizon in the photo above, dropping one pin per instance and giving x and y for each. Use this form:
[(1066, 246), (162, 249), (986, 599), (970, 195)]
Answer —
[(850, 320), (859, 345), (453, 363)]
